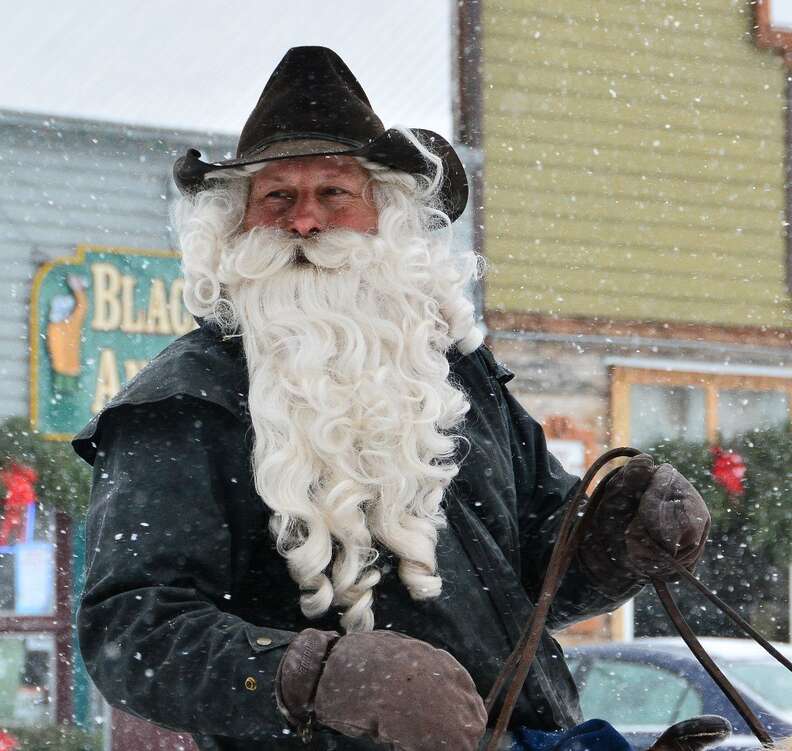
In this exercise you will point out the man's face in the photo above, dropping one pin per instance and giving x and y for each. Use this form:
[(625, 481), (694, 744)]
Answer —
[(308, 195)]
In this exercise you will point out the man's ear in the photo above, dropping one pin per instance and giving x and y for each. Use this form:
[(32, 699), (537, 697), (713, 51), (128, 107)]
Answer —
[(369, 192)]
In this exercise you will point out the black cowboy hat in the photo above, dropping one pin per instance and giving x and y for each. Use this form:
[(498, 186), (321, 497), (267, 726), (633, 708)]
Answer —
[(312, 105)]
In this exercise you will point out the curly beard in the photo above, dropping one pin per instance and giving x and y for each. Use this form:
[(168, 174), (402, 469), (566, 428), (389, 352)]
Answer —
[(353, 415), (351, 407)]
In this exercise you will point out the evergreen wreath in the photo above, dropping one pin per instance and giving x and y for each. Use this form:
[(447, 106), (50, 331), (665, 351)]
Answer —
[(63, 479), (762, 510), (746, 483)]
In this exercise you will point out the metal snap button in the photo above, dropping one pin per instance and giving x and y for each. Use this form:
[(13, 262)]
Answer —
[(263, 641), (250, 683)]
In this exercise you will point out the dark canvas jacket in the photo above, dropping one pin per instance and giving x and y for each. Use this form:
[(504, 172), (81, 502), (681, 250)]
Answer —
[(188, 608)]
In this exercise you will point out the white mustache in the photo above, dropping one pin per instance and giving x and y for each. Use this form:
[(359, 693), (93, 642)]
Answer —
[(263, 252)]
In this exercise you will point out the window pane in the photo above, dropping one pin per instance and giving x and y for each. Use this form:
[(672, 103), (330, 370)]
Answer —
[(690, 705), (659, 413), (628, 694), (741, 410), (781, 14), (27, 563), (27, 680), (769, 679)]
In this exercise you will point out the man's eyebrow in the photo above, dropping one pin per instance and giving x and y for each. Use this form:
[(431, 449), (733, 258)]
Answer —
[(270, 178)]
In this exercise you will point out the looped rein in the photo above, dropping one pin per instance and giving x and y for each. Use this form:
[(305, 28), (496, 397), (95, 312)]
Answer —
[(573, 527)]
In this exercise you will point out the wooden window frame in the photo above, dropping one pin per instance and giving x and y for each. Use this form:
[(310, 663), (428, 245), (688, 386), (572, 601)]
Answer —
[(766, 35), (58, 625), (623, 377)]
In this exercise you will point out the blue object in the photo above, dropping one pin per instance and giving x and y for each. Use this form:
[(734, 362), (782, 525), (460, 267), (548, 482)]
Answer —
[(34, 578), (592, 735), (30, 526)]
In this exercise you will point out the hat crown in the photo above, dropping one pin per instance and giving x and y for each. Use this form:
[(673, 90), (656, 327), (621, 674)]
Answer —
[(312, 105), (311, 94)]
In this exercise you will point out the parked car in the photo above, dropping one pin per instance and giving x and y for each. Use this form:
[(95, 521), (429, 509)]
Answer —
[(642, 687)]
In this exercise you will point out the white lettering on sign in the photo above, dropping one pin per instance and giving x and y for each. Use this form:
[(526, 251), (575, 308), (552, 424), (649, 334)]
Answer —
[(114, 304), (108, 377), (108, 381)]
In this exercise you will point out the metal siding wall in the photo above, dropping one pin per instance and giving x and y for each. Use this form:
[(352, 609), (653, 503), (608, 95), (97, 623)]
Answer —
[(634, 162), (65, 183)]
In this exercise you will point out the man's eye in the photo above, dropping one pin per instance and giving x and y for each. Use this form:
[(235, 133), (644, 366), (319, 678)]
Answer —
[(333, 191), (277, 194)]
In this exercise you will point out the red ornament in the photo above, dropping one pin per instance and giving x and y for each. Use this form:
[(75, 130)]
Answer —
[(8, 742), (728, 470), (20, 485)]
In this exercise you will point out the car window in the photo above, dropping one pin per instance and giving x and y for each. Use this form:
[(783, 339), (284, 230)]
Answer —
[(769, 679), (630, 694)]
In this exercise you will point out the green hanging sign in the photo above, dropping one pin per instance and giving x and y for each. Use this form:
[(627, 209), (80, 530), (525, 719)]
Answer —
[(95, 320)]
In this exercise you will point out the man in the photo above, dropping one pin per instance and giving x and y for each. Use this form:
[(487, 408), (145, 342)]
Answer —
[(321, 517)]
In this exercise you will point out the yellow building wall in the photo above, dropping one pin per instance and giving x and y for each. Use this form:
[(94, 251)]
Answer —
[(634, 162)]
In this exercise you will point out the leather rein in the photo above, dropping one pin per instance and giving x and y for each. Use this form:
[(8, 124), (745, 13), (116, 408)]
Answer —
[(573, 527)]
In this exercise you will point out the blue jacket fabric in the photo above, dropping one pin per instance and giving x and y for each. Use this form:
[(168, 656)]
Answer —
[(592, 735)]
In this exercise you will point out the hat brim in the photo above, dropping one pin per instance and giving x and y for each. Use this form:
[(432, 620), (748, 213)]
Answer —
[(392, 149)]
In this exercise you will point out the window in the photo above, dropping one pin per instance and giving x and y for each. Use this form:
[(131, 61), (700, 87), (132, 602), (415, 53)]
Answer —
[(27, 679), (652, 404), (27, 563), (740, 410), (652, 401), (658, 412), (35, 613), (771, 680), (632, 695)]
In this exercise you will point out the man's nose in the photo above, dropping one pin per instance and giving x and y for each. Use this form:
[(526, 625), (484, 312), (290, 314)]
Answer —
[(306, 217)]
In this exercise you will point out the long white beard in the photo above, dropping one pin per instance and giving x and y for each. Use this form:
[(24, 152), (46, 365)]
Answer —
[(351, 406)]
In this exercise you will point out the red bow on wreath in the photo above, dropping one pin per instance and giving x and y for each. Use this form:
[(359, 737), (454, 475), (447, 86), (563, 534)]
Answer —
[(20, 485), (728, 470)]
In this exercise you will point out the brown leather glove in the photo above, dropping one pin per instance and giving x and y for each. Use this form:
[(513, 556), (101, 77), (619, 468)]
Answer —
[(646, 514), (384, 685), (694, 734)]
